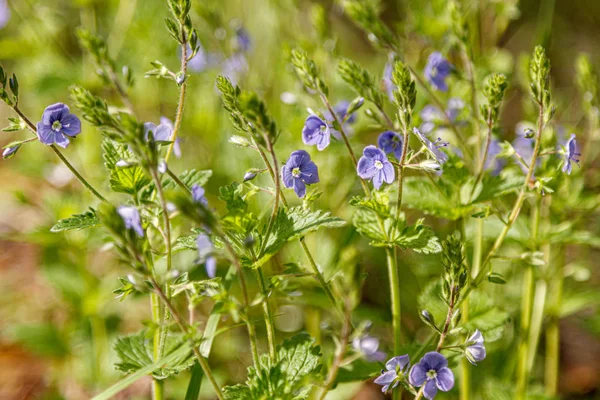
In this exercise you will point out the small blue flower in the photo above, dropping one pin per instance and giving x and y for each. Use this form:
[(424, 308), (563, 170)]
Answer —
[(375, 165), (161, 133), (10, 151), (177, 145), (571, 155), (390, 142), (243, 39), (475, 352), (433, 116), (299, 171), (433, 372), (368, 346), (198, 195), (388, 84), (316, 132), (205, 251), (394, 371), (57, 125), (341, 110), (131, 218), (433, 147), (437, 70), (492, 162)]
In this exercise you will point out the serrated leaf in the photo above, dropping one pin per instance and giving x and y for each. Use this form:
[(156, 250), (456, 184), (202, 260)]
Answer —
[(190, 178), (135, 352), (237, 392), (419, 238), (129, 180), (78, 222), (232, 196), (441, 201)]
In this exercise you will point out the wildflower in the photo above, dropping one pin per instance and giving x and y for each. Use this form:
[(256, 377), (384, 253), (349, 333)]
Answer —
[(388, 84), (433, 116), (375, 165), (368, 346), (57, 124), (390, 142), (571, 154), (243, 39), (299, 171), (316, 132), (131, 218), (433, 372), (200, 61), (491, 161), (248, 176), (160, 133), (341, 109), (437, 70), (394, 371), (205, 250), (177, 145), (234, 68), (10, 151), (198, 195), (476, 351), (433, 147)]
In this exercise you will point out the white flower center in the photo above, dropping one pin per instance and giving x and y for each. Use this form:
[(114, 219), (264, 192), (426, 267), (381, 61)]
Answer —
[(56, 126), (431, 374), (323, 128), (378, 164), (296, 172)]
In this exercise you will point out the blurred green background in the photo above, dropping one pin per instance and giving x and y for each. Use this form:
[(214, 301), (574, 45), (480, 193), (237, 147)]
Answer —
[(58, 315)]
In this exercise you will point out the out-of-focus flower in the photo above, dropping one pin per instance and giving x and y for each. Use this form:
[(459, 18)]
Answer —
[(394, 372), (374, 165), (299, 171), (475, 352), (390, 142), (571, 155), (433, 116), (4, 13), (316, 132), (492, 162), (368, 346), (205, 250), (433, 147), (243, 39), (433, 372), (177, 145), (198, 195), (235, 67), (160, 133), (437, 70), (131, 218), (57, 125), (388, 84)]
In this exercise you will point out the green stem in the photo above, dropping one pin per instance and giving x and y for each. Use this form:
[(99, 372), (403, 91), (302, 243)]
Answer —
[(395, 296), (526, 310), (157, 384), (181, 101), (81, 179), (339, 357), (552, 367), (268, 313)]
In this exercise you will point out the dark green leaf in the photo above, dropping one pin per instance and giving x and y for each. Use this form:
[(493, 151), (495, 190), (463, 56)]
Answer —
[(86, 220)]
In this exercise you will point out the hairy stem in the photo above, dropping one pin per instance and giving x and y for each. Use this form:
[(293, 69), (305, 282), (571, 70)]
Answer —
[(268, 313), (181, 100)]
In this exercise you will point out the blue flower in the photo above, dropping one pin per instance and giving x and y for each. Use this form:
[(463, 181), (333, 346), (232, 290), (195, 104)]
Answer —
[(437, 70), (375, 165), (390, 142), (433, 116), (4, 13), (492, 162), (433, 147), (234, 68), (368, 346), (316, 132), (388, 84), (57, 125), (177, 145), (394, 371), (131, 218), (341, 109), (571, 154), (198, 195), (10, 151), (475, 352), (205, 250), (433, 372), (298, 172), (243, 39), (161, 133)]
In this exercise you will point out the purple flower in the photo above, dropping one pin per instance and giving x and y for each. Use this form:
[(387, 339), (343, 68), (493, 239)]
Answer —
[(243, 39), (161, 133), (131, 218), (433, 147), (205, 250), (433, 116), (368, 346), (437, 70), (4, 13), (198, 195), (476, 351), (390, 142), (433, 372), (299, 171), (317, 132), (375, 165), (234, 68), (395, 369), (491, 161), (571, 154), (341, 110), (177, 145), (57, 124), (388, 84), (10, 151)]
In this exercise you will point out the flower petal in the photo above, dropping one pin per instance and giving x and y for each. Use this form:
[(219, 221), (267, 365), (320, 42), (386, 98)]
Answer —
[(386, 378), (444, 379), (378, 179), (299, 187), (398, 361), (61, 140), (310, 173), (430, 390), (417, 375), (211, 267), (71, 125), (388, 172), (433, 360), (366, 168), (45, 133)]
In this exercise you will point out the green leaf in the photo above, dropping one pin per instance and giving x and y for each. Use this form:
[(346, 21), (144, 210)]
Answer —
[(190, 178), (237, 392), (193, 390), (573, 302), (232, 196), (494, 187), (419, 238), (86, 220), (439, 200), (130, 180), (135, 352)]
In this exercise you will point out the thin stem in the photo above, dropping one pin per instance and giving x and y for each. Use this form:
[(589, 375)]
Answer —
[(181, 101), (268, 313), (483, 157), (81, 179), (515, 210), (339, 357), (401, 174), (186, 329), (552, 367), (277, 195), (394, 279)]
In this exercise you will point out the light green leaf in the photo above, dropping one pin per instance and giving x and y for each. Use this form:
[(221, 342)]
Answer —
[(128, 180), (86, 220), (190, 178)]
